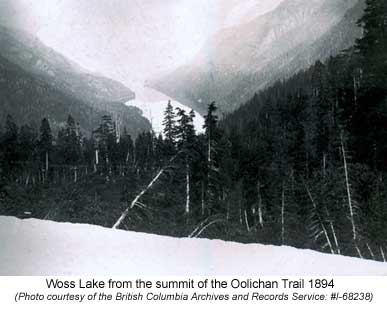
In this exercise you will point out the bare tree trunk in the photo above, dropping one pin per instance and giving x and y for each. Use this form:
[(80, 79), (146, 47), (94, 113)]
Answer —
[(247, 221), (125, 213), (75, 174), (254, 213), (354, 91), (324, 230), (118, 130), (324, 164), (96, 160), (204, 225), (135, 200), (350, 205), (202, 200), (335, 238), (240, 211), (46, 161), (358, 251), (370, 250), (46, 165), (209, 147), (327, 211), (187, 202), (283, 214), (382, 252), (260, 216), (351, 212)]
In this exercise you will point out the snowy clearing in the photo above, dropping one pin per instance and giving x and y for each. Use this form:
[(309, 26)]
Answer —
[(37, 247)]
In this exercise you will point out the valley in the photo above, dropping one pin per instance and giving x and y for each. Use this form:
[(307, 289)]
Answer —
[(153, 104), (269, 128)]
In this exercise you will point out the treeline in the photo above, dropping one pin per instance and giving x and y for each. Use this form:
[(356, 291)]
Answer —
[(38, 168), (28, 155)]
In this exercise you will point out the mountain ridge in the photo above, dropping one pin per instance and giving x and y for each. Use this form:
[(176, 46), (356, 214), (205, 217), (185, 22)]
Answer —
[(45, 75), (242, 60)]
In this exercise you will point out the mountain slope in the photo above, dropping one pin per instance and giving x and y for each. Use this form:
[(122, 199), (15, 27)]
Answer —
[(240, 61), (36, 247), (36, 82), (29, 99), (34, 57)]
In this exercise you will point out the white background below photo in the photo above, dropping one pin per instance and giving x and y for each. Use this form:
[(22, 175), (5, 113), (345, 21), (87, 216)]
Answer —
[(36, 247), (34, 293)]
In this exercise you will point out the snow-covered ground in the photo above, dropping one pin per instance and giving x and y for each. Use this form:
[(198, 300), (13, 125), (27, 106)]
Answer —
[(153, 104), (36, 247)]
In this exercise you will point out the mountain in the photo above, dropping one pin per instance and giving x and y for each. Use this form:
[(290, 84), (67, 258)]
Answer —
[(239, 61), (29, 98), (36, 81)]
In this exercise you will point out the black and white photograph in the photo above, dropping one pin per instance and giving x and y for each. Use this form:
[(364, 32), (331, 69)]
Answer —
[(193, 137)]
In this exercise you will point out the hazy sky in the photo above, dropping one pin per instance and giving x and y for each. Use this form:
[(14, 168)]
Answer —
[(128, 40)]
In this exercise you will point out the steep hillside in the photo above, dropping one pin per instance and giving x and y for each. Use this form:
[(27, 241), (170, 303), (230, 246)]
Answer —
[(33, 56), (36, 82), (30, 98), (241, 60)]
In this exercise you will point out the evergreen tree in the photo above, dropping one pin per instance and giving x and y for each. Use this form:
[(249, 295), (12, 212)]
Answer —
[(10, 144), (212, 136), (373, 44), (28, 142), (72, 142), (45, 143), (169, 130), (211, 132), (89, 152), (106, 138), (141, 153), (370, 117), (185, 130), (127, 148), (159, 151), (185, 133)]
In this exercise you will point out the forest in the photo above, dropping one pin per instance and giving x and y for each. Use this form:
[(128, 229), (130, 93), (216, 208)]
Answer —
[(303, 163)]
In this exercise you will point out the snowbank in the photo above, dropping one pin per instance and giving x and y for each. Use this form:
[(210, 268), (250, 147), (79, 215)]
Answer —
[(36, 247)]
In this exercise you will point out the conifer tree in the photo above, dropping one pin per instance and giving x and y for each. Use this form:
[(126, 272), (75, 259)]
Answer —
[(212, 135), (72, 142), (28, 141), (370, 117), (45, 143), (10, 143), (185, 130), (169, 130), (185, 133), (127, 148), (373, 44), (106, 138)]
